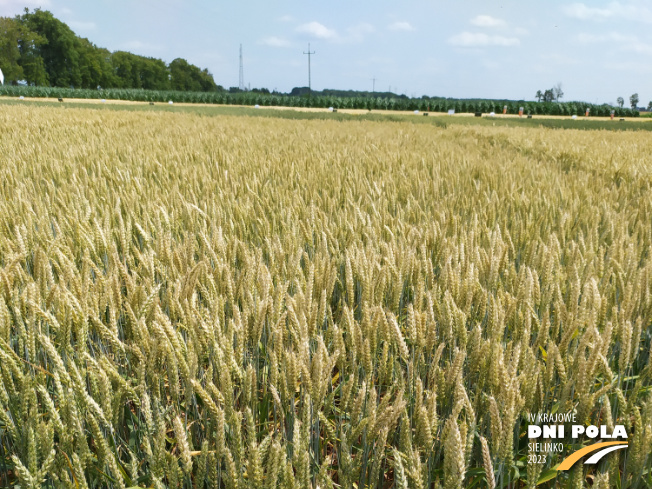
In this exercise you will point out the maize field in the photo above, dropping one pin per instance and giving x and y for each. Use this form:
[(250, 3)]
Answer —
[(323, 101), (239, 302)]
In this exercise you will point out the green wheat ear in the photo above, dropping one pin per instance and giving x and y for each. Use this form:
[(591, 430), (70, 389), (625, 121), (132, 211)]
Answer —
[(246, 302)]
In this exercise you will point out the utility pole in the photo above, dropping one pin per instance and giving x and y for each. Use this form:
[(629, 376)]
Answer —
[(241, 85), (374, 85), (309, 81)]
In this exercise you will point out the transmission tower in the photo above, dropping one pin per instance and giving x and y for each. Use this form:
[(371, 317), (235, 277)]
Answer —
[(241, 85), (309, 81)]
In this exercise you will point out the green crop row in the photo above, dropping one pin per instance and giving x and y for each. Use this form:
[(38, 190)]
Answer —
[(370, 103)]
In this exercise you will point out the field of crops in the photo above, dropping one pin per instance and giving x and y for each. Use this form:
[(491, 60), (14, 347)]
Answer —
[(281, 100), (235, 302)]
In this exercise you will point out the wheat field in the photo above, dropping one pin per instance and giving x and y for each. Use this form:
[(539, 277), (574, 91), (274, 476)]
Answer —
[(241, 302)]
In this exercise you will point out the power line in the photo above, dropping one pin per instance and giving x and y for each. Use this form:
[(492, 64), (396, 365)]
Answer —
[(241, 85), (309, 81)]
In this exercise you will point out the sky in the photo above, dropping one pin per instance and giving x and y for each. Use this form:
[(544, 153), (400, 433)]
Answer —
[(598, 50)]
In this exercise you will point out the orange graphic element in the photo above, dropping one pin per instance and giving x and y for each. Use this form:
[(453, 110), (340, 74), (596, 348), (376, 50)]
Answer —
[(571, 459)]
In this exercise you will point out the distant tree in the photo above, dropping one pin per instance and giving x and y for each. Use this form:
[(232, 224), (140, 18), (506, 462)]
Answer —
[(18, 53), (123, 69), (95, 66), (60, 52), (557, 92), (649, 106), (621, 101), (539, 95), (10, 35), (633, 100), (300, 91), (154, 74), (186, 76), (133, 71), (180, 76), (42, 50), (548, 95), (206, 81)]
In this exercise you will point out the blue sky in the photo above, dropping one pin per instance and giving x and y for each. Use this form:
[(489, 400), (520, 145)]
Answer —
[(598, 50)]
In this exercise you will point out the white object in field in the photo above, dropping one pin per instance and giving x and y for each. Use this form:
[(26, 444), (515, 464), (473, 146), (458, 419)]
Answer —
[(574, 117), (330, 109), (451, 111), (2, 78), (492, 114), (21, 97), (103, 100), (416, 111), (170, 102), (256, 106)]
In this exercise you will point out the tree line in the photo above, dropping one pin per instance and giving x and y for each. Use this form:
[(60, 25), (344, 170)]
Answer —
[(556, 93), (251, 97), (41, 50)]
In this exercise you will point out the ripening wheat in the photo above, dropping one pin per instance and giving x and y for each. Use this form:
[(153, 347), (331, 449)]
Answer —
[(195, 302)]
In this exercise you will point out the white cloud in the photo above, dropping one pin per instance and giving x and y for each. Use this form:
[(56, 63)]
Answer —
[(317, 30), (622, 42), (633, 11), (276, 42), (401, 26), (638, 48), (557, 59), (487, 21), (628, 67), (359, 31), (82, 26), (480, 39), (584, 12), (585, 38), (139, 46)]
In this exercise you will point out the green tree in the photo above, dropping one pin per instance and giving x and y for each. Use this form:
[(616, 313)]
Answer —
[(620, 101), (123, 69), (181, 76), (19, 57), (186, 76), (61, 53), (10, 36), (41, 49), (558, 93), (95, 65), (539, 95), (633, 100), (154, 74)]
